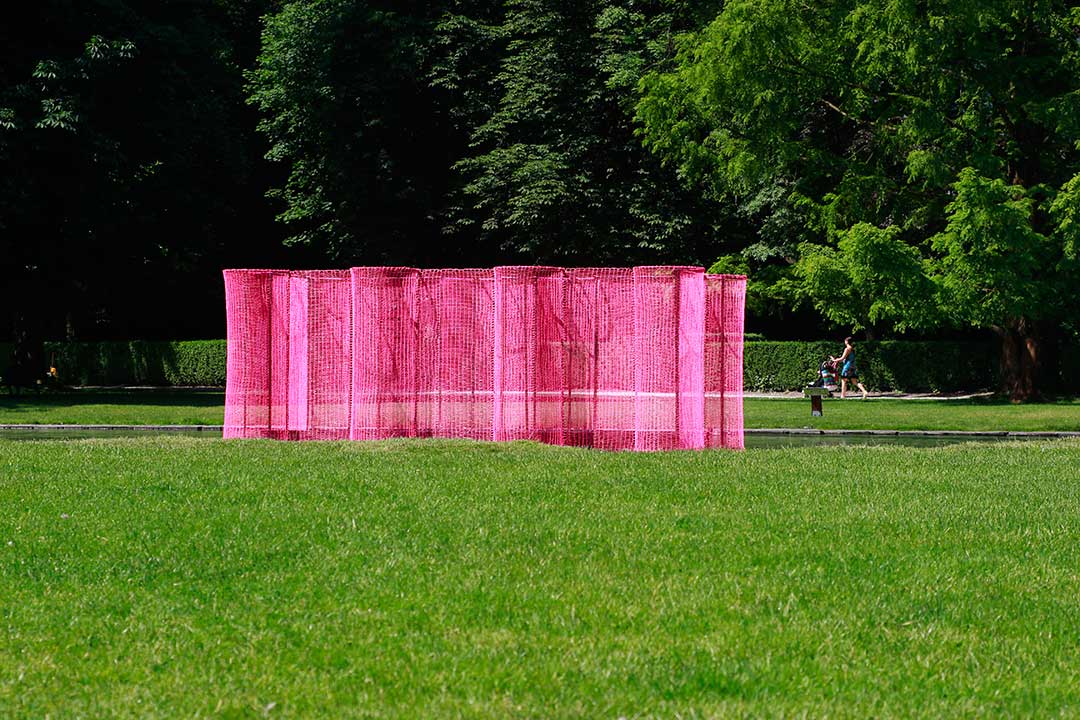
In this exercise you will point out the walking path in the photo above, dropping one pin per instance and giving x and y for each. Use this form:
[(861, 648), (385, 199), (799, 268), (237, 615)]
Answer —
[(854, 394)]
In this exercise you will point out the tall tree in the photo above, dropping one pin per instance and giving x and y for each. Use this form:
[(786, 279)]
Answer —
[(126, 171), (475, 131), (347, 105), (554, 171), (929, 149)]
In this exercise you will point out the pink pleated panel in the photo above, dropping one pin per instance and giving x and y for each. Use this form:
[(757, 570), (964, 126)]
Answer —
[(614, 360), (690, 383), (725, 297), (328, 371), (530, 381), (459, 339), (385, 313), (288, 354), (648, 358), (247, 370), (668, 357)]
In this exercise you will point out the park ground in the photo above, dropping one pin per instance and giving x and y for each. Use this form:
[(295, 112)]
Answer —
[(206, 407), (181, 576), (186, 577)]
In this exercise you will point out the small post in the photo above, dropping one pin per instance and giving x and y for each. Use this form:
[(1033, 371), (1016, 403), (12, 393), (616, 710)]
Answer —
[(815, 394)]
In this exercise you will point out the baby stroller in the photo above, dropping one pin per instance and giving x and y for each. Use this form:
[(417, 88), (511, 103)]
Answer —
[(828, 376)]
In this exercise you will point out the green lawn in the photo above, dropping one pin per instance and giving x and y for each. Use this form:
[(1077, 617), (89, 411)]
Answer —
[(206, 407), (175, 577), (114, 407), (888, 414)]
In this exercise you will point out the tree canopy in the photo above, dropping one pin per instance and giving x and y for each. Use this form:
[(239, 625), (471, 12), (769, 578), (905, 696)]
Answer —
[(887, 165), (127, 164), (463, 130), (928, 152)]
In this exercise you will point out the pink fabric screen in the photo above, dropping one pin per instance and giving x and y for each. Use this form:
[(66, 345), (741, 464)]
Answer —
[(646, 358)]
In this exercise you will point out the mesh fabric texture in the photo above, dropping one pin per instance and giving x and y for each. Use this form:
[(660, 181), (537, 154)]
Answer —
[(644, 358)]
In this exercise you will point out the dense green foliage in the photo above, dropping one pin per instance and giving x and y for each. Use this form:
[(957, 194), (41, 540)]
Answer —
[(345, 102), (140, 362), (129, 165), (496, 129), (896, 167), (886, 365), (157, 578), (927, 157), (901, 365), (553, 171)]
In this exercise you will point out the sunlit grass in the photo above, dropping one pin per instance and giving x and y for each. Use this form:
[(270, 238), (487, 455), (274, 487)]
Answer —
[(180, 577), (97, 407), (207, 408), (889, 414)]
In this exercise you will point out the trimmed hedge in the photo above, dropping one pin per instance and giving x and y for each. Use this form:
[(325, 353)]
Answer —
[(140, 362), (889, 365), (899, 365)]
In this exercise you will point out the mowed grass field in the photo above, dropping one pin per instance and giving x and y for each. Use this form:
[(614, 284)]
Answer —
[(115, 407), (890, 414), (175, 577), (179, 407)]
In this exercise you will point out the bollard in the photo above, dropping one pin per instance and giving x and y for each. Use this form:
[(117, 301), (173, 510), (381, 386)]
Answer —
[(815, 394)]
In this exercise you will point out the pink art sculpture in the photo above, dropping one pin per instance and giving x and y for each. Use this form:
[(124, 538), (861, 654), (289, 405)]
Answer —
[(644, 358)]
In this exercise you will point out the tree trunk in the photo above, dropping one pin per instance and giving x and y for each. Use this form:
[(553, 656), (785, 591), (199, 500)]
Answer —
[(1019, 362)]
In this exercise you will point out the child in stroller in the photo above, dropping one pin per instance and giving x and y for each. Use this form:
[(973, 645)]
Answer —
[(828, 375)]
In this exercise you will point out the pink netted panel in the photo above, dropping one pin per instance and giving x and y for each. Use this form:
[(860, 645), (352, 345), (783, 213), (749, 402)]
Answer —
[(646, 358), (725, 297), (422, 353), (289, 354)]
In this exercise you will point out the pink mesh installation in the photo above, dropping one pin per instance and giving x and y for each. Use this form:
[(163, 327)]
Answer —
[(645, 358)]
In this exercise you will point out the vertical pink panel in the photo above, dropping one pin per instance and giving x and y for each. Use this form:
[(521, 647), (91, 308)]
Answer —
[(550, 390), (724, 304), (247, 384), (384, 353), (427, 353), (598, 363), (616, 359), (397, 363), (668, 320), (298, 350), (464, 374), (581, 348), (530, 382), (288, 353), (656, 346), (329, 365), (690, 400), (513, 367), (366, 341), (279, 354)]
